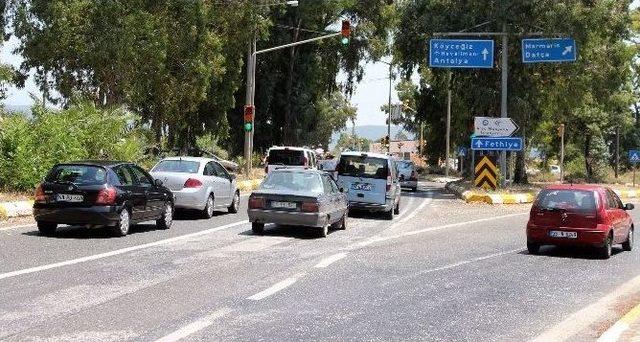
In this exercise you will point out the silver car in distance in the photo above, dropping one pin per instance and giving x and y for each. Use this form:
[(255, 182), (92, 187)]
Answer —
[(298, 197), (199, 184)]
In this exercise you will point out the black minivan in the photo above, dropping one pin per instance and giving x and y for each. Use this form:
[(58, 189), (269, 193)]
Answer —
[(101, 194)]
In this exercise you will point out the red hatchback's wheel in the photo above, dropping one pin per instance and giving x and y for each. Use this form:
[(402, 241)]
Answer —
[(533, 248), (605, 251), (628, 245)]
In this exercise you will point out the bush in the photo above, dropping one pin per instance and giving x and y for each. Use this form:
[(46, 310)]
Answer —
[(29, 148)]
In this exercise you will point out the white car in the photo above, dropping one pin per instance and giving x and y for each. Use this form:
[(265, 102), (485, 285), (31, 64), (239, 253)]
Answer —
[(289, 157), (198, 183)]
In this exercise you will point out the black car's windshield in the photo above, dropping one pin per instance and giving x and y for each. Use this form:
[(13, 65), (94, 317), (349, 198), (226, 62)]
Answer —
[(574, 200), (293, 181), (78, 175), (181, 166), (363, 166), (286, 157)]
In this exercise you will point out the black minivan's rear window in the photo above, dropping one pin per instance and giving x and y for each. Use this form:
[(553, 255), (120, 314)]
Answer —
[(286, 157), (574, 200), (78, 175), (363, 166)]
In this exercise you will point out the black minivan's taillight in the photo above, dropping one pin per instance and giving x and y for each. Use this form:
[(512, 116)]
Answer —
[(107, 196)]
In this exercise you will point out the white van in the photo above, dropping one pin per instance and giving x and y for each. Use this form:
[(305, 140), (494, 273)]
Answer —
[(286, 157), (371, 181)]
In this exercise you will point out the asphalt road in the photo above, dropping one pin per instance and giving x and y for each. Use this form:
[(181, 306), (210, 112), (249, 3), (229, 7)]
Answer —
[(442, 270)]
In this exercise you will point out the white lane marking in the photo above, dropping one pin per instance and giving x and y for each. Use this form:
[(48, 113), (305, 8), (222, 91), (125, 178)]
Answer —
[(375, 239), (613, 334), (194, 327), (117, 251), (16, 227), (275, 288), (470, 261), (402, 206), (330, 260)]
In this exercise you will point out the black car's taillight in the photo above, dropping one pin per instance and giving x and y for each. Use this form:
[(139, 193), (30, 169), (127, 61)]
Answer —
[(107, 196), (39, 196)]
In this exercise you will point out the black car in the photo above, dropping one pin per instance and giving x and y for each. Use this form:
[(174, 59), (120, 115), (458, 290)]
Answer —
[(101, 194)]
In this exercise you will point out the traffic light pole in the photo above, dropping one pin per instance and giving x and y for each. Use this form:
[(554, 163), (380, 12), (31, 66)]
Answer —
[(251, 88)]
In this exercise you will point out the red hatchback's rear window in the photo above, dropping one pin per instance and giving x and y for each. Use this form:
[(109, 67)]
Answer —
[(574, 200)]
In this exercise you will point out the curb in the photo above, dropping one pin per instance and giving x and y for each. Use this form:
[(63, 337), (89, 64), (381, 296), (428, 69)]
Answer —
[(15, 209), (474, 197), (25, 208), (615, 331)]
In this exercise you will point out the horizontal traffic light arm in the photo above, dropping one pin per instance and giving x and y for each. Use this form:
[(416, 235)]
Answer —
[(298, 43)]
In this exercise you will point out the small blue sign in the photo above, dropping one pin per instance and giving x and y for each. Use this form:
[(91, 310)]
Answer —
[(461, 53), (496, 144), (462, 151), (547, 50), (634, 156)]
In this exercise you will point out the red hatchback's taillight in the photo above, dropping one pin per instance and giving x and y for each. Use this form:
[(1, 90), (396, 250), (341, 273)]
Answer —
[(256, 203), (106, 196), (39, 195), (310, 207), (192, 183)]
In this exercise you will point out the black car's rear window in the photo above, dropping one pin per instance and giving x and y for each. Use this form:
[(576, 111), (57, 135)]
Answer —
[(180, 166), (363, 166), (286, 157), (78, 175), (575, 200)]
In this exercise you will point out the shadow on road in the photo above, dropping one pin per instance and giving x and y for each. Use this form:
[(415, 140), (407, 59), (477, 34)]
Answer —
[(570, 252), (194, 215), (296, 232), (82, 233)]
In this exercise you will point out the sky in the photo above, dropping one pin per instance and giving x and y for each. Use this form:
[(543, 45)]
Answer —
[(370, 94)]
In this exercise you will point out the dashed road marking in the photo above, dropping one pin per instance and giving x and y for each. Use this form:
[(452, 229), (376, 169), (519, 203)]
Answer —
[(194, 327), (117, 251), (275, 288), (470, 261), (330, 260)]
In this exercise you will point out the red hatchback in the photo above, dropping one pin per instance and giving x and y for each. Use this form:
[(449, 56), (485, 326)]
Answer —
[(584, 215)]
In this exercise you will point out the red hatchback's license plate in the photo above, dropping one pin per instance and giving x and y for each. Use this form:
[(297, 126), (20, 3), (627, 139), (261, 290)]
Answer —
[(561, 234)]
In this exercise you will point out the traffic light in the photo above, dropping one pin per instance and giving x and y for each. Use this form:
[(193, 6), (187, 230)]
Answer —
[(249, 111), (346, 31)]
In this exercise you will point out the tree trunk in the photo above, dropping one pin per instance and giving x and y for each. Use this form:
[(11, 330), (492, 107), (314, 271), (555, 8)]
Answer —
[(587, 157), (291, 120)]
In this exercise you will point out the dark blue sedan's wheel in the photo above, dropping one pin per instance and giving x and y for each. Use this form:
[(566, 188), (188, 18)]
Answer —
[(257, 228), (124, 223), (47, 228), (343, 225), (165, 221), (323, 231)]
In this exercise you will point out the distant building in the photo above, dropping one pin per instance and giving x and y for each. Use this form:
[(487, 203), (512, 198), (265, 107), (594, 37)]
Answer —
[(405, 149)]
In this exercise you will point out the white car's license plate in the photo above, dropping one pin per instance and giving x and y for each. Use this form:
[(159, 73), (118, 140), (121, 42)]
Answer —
[(69, 198), (561, 234), (283, 205), (361, 186)]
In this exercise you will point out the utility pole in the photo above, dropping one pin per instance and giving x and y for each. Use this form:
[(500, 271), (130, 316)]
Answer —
[(448, 130), (562, 127), (617, 151), (389, 117)]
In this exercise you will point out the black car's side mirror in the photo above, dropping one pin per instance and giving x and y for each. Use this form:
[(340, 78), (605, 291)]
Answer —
[(158, 182), (629, 206)]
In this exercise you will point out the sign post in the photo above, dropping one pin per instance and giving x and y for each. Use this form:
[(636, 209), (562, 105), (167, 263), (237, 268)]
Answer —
[(497, 144), (461, 53), (494, 127), (486, 173)]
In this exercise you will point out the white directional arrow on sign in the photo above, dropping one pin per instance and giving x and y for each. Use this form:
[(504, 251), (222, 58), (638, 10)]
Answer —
[(494, 127), (485, 52), (567, 50)]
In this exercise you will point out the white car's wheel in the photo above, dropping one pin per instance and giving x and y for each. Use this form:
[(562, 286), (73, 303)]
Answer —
[(208, 209)]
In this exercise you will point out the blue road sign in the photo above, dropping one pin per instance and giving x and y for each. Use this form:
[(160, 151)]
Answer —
[(496, 144), (461, 53), (548, 50), (462, 151), (634, 156)]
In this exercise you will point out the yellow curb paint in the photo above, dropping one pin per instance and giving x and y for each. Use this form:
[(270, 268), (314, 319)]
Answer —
[(3, 212), (616, 330), (632, 315)]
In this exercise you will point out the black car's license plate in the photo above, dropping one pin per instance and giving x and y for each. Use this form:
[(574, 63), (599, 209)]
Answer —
[(69, 198)]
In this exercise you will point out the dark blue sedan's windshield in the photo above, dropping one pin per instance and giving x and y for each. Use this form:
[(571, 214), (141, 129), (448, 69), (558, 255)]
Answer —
[(293, 181)]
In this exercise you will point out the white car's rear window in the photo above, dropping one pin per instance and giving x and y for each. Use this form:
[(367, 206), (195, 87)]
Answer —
[(181, 166)]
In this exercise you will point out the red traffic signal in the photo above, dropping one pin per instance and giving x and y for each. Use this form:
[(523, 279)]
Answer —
[(249, 111), (346, 28)]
